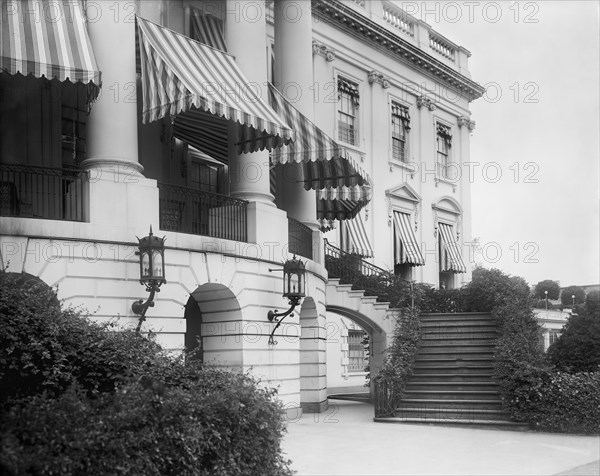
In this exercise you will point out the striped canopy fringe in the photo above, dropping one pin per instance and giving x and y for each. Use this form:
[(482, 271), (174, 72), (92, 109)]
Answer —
[(359, 239), (407, 249), (48, 39), (451, 255), (180, 75), (328, 167)]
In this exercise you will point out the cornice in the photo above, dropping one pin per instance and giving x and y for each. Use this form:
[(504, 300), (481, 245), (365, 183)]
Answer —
[(345, 18)]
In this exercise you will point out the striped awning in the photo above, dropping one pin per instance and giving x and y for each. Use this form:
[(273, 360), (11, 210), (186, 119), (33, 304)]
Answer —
[(343, 188), (186, 78), (48, 39), (451, 255), (358, 242), (407, 249), (207, 29)]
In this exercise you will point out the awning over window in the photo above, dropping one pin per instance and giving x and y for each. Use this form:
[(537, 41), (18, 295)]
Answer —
[(207, 29), (359, 239), (48, 39), (343, 188), (407, 249), (193, 81), (451, 255)]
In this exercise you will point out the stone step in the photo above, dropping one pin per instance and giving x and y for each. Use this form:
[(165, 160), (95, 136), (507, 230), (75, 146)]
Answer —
[(456, 354), (428, 341), (452, 377), (452, 386), (456, 316), (457, 326), (465, 371), (458, 404), (491, 424), (467, 333), (437, 346), (442, 413), (437, 361), (453, 395)]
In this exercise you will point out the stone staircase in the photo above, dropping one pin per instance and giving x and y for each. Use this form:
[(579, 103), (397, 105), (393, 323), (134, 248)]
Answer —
[(452, 380)]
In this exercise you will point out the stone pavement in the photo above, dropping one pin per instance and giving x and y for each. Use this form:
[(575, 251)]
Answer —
[(346, 441)]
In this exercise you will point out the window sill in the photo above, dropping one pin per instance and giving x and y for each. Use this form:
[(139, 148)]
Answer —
[(452, 183), (408, 166), (353, 148)]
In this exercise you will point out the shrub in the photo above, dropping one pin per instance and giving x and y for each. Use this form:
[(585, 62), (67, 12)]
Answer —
[(491, 288), (441, 300), (78, 398), (552, 287), (578, 347), (566, 296), (399, 361), (592, 304)]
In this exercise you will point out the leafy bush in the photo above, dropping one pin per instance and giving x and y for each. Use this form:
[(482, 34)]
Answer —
[(78, 398), (552, 287), (491, 288), (566, 296), (592, 303), (399, 361), (441, 300), (578, 347), (567, 403)]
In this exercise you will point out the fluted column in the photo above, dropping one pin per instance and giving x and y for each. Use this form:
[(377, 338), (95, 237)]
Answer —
[(122, 202), (246, 38), (112, 125), (294, 78)]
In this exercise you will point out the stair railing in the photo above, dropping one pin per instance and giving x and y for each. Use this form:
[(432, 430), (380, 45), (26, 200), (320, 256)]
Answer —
[(352, 269)]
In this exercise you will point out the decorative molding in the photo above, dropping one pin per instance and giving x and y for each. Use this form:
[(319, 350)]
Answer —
[(404, 194), (321, 49), (377, 77), (425, 101), (359, 26), (465, 121)]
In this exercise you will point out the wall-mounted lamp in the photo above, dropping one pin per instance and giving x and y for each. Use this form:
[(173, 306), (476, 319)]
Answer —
[(152, 272), (294, 285)]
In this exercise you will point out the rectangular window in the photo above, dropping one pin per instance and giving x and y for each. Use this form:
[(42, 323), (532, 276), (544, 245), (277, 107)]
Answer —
[(400, 128), (348, 101), (444, 144), (356, 351)]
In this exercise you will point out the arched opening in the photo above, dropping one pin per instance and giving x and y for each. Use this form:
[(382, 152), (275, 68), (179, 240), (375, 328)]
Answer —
[(213, 325), (355, 350)]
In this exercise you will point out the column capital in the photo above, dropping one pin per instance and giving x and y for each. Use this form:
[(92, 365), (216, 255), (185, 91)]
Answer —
[(465, 121), (319, 48), (425, 101), (377, 77)]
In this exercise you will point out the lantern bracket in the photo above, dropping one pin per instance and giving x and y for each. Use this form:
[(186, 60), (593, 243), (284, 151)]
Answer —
[(279, 317), (140, 307)]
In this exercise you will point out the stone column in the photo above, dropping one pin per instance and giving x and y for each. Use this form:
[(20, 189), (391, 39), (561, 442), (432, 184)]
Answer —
[(246, 38), (119, 195), (465, 127), (294, 79)]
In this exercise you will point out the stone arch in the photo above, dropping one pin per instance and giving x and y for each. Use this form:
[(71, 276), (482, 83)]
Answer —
[(214, 322)]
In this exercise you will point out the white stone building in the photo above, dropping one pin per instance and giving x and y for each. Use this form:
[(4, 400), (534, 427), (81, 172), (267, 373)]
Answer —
[(115, 116)]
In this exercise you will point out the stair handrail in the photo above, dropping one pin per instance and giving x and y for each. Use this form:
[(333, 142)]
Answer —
[(350, 267)]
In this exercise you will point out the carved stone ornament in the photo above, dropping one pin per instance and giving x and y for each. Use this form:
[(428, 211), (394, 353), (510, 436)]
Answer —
[(377, 77), (465, 121), (320, 49), (425, 101)]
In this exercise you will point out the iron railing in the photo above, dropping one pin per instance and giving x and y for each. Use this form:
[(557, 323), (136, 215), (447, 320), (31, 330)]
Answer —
[(387, 397), (187, 210), (42, 192), (373, 280), (299, 239)]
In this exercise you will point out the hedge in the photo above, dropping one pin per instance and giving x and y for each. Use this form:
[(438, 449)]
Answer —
[(79, 398)]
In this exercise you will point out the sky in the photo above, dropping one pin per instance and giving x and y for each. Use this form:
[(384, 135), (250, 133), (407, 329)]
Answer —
[(535, 196)]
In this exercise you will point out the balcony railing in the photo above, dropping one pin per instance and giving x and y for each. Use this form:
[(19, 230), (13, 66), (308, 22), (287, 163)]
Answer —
[(299, 239), (398, 19), (186, 210), (42, 192), (441, 46)]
